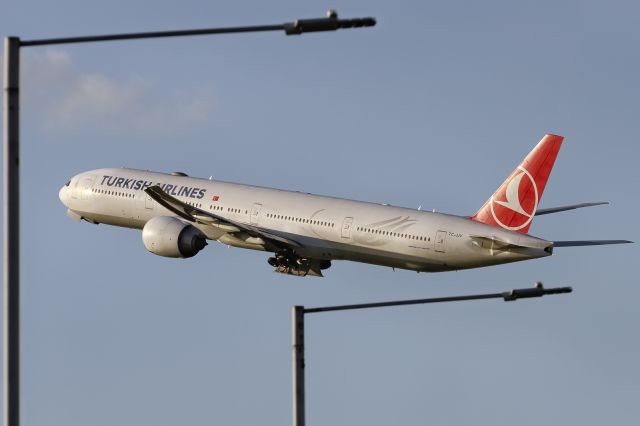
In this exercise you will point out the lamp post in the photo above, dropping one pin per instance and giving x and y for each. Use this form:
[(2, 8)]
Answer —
[(297, 329), (11, 202)]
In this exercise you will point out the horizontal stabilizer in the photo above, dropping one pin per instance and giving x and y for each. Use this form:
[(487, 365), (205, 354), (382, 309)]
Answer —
[(570, 207), (588, 243)]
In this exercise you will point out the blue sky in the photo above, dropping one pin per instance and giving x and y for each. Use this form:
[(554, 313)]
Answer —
[(435, 106)]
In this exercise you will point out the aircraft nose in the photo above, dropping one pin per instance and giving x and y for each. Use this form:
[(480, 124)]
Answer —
[(63, 195)]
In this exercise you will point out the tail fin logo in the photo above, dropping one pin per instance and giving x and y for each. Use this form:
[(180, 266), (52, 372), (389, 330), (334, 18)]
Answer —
[(514, 201)]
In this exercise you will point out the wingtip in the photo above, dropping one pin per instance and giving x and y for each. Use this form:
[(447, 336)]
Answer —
[(553, 137)]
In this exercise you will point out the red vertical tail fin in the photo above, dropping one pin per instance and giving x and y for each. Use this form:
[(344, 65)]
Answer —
[(515, 203)]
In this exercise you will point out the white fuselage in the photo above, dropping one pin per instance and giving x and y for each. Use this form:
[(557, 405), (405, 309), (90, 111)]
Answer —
[(325, 227)]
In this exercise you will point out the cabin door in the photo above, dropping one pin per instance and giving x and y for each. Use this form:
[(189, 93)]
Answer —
[(148, 202), (255, 212), (85, 187), (346, 227), (441, 238)]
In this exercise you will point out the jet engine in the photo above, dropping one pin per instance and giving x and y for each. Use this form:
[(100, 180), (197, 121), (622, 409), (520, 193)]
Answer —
[(170, 237)]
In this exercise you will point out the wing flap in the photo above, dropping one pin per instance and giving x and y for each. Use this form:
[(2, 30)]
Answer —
[(540, 212), (194, 214)]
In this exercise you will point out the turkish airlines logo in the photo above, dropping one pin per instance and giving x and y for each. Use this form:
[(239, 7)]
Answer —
[(513, 199)]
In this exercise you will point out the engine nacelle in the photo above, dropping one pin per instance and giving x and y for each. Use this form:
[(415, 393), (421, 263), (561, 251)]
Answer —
[(170, 237)]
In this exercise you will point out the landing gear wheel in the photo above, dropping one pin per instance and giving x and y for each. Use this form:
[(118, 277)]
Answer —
[(288, 262)]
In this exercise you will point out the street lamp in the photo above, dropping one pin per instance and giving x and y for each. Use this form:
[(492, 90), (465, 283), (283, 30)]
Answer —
[(297, 329), (11, 136)]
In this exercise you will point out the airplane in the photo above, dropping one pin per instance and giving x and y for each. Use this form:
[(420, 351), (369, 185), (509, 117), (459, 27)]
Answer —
[(178, 214)]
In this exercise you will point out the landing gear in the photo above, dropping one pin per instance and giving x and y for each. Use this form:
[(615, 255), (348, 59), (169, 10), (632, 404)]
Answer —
[(287, 262)]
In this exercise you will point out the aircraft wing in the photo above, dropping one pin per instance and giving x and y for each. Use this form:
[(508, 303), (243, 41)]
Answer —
[(589, 243), (194, 214), (540, 212)]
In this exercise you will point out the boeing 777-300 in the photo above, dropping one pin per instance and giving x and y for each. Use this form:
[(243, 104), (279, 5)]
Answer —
[(178, 214)]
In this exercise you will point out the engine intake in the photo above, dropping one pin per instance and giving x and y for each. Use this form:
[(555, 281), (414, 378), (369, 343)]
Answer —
[(170, 237)]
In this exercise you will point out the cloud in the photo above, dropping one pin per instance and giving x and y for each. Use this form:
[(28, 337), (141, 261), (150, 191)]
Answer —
[(64, 98)]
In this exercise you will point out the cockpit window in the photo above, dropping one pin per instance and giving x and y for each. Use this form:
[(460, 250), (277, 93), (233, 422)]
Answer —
[(68, 183)]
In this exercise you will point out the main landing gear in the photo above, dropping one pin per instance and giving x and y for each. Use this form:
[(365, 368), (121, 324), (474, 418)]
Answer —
[(287, 262)]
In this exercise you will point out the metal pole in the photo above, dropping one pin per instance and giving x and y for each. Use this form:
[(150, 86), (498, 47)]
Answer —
[(300, 26), (297, 323), (297, 353), (507, 296), (11, 118), (11, 243)]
